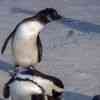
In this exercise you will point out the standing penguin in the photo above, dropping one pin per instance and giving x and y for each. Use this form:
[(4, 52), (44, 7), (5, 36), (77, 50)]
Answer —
[(30, 83), (26, 44)]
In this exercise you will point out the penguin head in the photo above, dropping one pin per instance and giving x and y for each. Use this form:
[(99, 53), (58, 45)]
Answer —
[(47, 15)]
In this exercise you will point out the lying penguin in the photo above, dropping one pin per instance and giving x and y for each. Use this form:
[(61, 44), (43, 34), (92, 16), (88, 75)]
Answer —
[(29, 83), (26, 45)]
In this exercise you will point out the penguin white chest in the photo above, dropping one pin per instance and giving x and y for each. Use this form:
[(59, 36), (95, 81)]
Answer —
[(25, 43), (29, 29)]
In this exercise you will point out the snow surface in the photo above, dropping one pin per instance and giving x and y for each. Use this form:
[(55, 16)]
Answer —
[(71, 49)]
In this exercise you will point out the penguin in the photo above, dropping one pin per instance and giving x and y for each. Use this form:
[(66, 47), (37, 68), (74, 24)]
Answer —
[(23, 89), (26, 45), (51, 84), (23, 85), (96, 97)]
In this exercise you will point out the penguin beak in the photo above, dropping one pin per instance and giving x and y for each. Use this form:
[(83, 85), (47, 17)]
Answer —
[(56, 16), (64, 20), (60, 19)]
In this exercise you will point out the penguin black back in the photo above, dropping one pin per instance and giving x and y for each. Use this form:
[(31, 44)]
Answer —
[(35, 72)]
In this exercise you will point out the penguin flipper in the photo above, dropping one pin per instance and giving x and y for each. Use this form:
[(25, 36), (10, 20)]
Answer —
[(40, 49), (6, 91), (37, 97), (5, 43)]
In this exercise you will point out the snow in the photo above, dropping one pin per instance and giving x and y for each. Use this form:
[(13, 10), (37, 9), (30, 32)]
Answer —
[(75, 57)]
